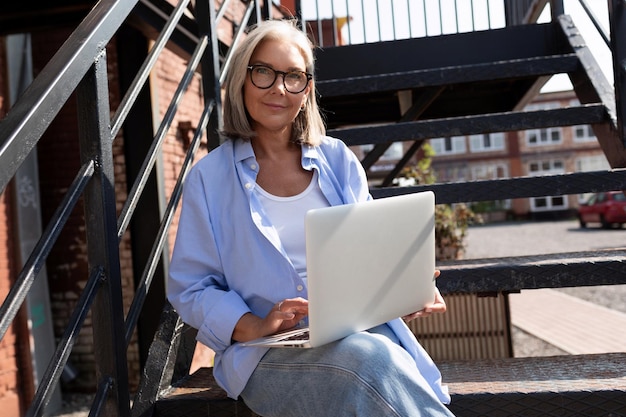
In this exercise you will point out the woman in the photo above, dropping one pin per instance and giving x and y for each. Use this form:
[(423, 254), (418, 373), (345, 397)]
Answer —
[(238, 267)]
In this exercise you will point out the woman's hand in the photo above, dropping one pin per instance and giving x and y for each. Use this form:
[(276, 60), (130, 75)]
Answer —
[(287, 314), (284, 315), (438, 305)]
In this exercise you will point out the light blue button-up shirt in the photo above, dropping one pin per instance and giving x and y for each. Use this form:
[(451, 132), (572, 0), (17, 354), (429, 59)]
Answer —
[(228, 259)]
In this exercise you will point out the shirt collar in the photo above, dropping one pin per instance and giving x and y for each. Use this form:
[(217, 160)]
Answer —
[(243, 150)]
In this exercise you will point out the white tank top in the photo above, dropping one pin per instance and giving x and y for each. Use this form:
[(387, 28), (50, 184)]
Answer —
[(287, 216)]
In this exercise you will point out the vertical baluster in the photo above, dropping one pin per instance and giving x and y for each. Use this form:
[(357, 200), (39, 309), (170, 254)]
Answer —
[(207, 18), (102, 243)]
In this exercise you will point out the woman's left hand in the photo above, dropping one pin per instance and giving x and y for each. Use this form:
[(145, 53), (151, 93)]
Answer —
[(438, 305)]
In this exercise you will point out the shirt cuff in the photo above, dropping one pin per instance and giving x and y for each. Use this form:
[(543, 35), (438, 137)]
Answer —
[(217, 329)]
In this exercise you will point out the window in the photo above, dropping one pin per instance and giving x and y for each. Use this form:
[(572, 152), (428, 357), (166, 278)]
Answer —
[(547, 203), (540, 137), (454, 173), (583, 133), (487, 171), (553, 166), (487, 142), (491, 171), (591, 163), (547, 136), (447, 146), (394, 152)]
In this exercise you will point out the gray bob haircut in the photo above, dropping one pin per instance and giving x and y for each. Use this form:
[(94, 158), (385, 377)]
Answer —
[(308, 127)]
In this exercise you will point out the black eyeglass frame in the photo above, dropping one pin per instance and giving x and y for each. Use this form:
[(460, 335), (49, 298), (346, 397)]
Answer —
[(309, 77)]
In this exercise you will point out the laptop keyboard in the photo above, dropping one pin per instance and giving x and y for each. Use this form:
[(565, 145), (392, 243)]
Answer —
[(302, 335)]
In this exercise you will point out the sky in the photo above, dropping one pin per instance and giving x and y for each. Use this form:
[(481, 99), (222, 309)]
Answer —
[(598, 47), (451, 16)]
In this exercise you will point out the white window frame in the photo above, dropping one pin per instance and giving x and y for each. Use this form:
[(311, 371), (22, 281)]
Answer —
[(453, 145), (394, 153), (547, 203), (452, 173), (588, 135), (487, 142), (544, 136), (588, 164), (491, 171)]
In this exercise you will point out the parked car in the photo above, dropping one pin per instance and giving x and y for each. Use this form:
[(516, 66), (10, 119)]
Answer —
[(607, 208)]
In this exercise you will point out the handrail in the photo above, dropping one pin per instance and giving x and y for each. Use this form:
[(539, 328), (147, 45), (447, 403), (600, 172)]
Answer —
[(135, 193), (33, 265), (596, 22), (141, 77), (64, 348), (373, 21), (35, 110), (146, 278), (240, 31)]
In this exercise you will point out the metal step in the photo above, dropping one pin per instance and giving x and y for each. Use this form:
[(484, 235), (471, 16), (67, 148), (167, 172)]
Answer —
[(452, 50), (503, 70), (539, 386), (511, 274), (519, 187), (576, 385), (469, 125), (476, 73), (199, 396)]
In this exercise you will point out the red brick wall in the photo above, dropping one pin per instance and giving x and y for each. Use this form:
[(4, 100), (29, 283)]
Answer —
[(10, 392)]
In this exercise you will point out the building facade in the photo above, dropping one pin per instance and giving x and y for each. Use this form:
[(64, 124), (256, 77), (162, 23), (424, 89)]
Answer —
[(556, 150)]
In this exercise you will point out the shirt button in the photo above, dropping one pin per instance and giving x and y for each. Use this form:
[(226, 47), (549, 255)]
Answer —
[(248, 185), (299, 287), (253, 167)]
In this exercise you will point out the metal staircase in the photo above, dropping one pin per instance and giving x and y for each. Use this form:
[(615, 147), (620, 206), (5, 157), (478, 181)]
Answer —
[(456, 84)]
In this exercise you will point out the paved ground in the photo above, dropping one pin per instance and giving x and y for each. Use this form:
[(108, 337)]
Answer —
[(532, 238)]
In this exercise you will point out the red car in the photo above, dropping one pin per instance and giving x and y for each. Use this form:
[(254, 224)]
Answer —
[(607, 208)]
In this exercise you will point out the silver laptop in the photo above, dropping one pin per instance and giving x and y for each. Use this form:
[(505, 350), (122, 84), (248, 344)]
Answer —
[(367, 263)]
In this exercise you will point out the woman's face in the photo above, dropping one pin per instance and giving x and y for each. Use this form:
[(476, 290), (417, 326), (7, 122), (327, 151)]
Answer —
[(274, 109)]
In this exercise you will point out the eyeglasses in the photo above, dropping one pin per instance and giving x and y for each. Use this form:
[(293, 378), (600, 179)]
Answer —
[(264, 77)]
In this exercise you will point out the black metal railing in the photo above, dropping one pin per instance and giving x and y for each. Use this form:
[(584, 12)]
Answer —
[(80, 66), (373, 21)]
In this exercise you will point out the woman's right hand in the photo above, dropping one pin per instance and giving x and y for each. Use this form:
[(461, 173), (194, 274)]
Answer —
[(284, 315)]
